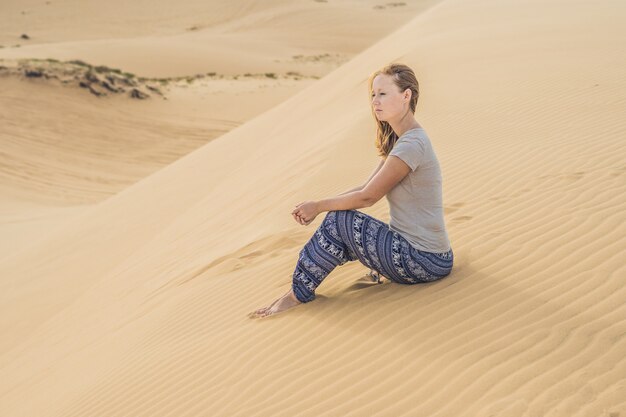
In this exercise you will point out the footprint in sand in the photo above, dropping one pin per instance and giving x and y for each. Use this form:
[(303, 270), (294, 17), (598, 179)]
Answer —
[(574, 176), (619, 171), (453, 207), (461, 219)]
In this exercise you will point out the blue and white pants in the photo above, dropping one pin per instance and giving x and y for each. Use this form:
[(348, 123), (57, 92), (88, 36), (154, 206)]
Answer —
[(350, 235)]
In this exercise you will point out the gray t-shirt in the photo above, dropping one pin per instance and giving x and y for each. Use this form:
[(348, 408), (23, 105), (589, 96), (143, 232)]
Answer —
[(416, 203)]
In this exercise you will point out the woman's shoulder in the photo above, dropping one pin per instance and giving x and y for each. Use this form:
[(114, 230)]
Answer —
[(412, 140), (414, 134), (417, 139)]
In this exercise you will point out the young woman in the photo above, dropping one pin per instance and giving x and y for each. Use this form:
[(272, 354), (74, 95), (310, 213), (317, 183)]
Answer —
[(414, 246)]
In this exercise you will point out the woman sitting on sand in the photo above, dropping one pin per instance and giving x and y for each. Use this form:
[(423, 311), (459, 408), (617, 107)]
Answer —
[(414, 246)]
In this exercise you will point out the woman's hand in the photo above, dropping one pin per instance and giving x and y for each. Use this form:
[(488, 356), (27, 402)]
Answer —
[(305, 212), (299, 220)]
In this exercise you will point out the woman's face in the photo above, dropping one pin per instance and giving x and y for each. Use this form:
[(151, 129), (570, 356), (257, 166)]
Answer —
[(387, 101)]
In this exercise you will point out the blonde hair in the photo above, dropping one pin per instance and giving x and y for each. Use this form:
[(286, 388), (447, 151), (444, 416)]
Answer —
[(403, 77)]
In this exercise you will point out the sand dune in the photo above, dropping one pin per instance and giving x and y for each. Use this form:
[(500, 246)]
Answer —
[(138, 306), (54, 164), (83, 149), (232, 37)]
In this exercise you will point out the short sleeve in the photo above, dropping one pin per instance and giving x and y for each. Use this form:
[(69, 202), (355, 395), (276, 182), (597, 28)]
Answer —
[(410, 151)]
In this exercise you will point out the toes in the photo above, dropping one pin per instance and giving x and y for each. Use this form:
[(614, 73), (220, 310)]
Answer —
[(261, 312), (257, 313), (267, 312)]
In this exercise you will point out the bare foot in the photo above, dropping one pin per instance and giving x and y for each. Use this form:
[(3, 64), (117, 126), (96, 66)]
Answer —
[(283, 303), (262, 310)]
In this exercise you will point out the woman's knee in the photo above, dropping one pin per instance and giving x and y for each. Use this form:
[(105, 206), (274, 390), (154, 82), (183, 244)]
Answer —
[(331, 216), (338, 214)]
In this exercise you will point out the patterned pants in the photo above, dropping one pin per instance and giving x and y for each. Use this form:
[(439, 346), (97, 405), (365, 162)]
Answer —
[(350, 235)]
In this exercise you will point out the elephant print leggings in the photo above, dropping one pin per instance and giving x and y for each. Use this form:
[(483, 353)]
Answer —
[(350, 235)]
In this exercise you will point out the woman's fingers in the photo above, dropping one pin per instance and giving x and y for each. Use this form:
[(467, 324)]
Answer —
[(300, 219)]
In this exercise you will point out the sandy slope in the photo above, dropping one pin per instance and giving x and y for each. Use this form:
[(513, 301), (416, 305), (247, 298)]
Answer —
[(81, 150), (139, 306)]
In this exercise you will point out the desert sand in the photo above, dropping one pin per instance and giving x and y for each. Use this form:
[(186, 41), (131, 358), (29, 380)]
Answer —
[(138, 233)]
